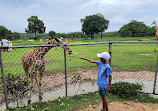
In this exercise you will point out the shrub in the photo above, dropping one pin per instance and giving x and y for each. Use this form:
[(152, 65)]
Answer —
[(17, 87), (125, 89)]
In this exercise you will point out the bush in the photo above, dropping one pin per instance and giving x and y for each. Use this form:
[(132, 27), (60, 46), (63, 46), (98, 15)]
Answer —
[(17, 87), (125, 89)]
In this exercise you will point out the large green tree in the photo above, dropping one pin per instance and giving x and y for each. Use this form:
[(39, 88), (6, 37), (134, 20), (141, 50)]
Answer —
[(93, 24), (51, 34), (4, 31), (151, 31), (35, 25), (133, 29)]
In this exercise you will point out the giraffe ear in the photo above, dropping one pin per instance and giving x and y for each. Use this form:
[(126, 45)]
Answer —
[(57, 40)]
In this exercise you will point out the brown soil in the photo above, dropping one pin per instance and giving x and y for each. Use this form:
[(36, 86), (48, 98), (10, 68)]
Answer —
[(124, 106), (82, 75)]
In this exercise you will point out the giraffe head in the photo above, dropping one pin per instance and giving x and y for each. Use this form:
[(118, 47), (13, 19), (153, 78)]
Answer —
[(64, 44), (154, 22)]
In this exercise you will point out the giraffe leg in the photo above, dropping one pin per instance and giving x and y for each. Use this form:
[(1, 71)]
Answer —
[(26, 69), (42, 70), (33, 75), (30, 90), (38, 84), (25, 66)]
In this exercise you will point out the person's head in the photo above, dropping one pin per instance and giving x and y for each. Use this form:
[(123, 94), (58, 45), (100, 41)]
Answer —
[(104, 56)]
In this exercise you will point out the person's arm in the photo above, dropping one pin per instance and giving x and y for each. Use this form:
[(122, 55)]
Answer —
[(89, 60), (110, 79)]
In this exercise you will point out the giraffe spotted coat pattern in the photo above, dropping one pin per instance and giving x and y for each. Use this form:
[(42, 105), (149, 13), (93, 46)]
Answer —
[(35, 59)]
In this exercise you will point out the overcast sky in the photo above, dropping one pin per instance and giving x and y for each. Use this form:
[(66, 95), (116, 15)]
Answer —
[(63, 16)]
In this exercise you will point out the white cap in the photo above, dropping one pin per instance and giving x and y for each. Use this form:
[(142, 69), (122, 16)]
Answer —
[(104, 55)]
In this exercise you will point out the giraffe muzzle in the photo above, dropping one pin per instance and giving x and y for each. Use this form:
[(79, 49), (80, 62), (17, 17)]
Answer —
[(70, 52)]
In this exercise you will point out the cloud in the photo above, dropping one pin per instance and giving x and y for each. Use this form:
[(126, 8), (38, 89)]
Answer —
[(33, 6), (120, 12), (64, 15)]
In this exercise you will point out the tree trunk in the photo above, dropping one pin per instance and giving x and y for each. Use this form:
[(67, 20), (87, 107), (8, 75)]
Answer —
[(92, 35), (35, 34), (101, 35), (133, 34)]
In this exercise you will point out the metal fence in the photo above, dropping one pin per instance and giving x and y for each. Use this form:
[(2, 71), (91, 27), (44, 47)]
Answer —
[(68, 75)]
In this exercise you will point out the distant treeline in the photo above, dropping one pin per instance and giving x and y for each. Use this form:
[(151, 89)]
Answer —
[(71, 35), (47, 36)]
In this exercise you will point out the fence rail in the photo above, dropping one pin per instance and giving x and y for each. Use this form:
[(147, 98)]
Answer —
[(67, 75)]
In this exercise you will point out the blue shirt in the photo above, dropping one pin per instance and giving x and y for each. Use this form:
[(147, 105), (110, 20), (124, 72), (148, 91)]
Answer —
[(104, 71)]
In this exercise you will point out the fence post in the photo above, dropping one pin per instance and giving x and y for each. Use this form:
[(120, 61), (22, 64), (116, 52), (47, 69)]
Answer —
[(3, 80), (110, 52), (155, 75), (65, 72)]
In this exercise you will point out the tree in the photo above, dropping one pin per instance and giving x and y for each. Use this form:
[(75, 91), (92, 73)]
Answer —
[(15, 36), (93, 24), (134, 29), (35, 25), (151, 31), (51, 33), (4, 31)]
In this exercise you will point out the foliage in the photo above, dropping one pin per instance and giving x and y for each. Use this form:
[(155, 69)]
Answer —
[(72, 35), (13, 36), (151, 31), (133, 29), (35, 25), (108, 34), (51, 34), (93, 24), (17, 87), (4, 31), (125, 89)]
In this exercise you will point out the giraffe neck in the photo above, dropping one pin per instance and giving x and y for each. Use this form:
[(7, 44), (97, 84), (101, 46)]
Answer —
[(156, 27), (44, 50)]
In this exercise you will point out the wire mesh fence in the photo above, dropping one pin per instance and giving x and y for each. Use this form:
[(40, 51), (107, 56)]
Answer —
[(133, 62)]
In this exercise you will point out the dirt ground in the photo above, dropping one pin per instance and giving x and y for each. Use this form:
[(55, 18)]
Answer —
[(124, 106), (82, 75)]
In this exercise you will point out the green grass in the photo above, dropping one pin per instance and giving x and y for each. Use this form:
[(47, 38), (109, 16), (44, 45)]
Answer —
[(126, 57), (88, 40), (82, 101)]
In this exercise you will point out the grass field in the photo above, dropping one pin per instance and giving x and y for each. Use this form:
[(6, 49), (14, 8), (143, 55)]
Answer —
[(82, 102), (128, 57), (88, 40)]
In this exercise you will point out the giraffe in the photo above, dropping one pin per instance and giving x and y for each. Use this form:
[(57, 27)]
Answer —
[(35, 59), (156, 34)]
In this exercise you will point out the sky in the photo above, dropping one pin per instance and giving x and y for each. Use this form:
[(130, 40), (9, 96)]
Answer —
[(63, 16)]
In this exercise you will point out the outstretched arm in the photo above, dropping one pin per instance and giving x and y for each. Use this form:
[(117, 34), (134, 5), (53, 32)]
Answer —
[(89, 60)]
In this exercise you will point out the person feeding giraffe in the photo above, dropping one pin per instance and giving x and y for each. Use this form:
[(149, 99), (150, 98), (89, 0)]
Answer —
[(104, 76)]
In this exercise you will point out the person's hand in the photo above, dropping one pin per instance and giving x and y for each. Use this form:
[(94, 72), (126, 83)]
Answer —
[(108, 88)]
